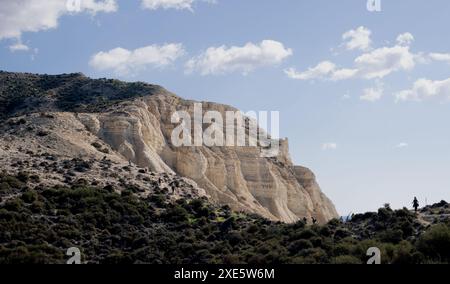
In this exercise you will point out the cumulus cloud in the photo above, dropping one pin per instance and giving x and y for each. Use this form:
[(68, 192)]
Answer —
[(372, 94), (123, 61), (19, 16), (383, 61), (425, 89), (324, 69), (244, 59), (445, 57), (344, 74), (329, 146), (357, 39), (375, 64), (405, 39), (167, 4), (19, 47), (171, 4)]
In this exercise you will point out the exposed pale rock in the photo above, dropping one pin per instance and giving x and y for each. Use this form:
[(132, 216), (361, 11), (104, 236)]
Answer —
[(133, 123), (238, 176)]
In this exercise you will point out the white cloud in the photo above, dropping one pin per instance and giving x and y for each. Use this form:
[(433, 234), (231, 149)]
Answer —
[(357, 39), (123, 61), (19, 16), (329, 146), (171, 4), (425, 89), (445, 57), (18, 47), (223, 59), (323, 70), (402, 145), (343, 74), (383, 61), (372, 94), (91, 6), (375, 64), (405, 39), (167, 4)]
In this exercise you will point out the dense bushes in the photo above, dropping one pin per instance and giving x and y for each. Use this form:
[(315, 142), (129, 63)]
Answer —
[(436, 243), (39, 225)]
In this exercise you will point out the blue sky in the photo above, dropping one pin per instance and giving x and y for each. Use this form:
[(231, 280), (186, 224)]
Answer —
[(367, 112)]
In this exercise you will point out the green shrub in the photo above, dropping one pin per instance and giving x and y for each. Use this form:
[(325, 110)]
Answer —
[(342, 249), (346, 259), (122, 228), (29, 196), (435, 243), (404, 254), (306, 234), (299, 245), (391, 236)]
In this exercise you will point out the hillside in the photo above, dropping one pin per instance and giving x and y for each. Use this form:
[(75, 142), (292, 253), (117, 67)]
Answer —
[(89, 164), (114, 225), (24, 93), (49, 119)]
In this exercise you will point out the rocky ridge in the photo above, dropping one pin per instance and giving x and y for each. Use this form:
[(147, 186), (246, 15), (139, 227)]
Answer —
[(73, 118)]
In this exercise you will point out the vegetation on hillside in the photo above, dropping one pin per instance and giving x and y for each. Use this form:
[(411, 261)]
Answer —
[(22, 93), (38, 226)]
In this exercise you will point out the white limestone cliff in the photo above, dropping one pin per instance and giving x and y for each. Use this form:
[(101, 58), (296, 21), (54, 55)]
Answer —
[(141, 130)]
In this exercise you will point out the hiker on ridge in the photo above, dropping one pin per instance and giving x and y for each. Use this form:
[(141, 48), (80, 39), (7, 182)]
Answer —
[(416, 204)]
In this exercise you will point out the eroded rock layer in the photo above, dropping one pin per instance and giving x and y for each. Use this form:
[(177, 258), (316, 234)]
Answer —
[(135, 123)]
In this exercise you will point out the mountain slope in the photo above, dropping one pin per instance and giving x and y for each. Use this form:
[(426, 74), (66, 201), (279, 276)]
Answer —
[(38, 224), (73, 117)]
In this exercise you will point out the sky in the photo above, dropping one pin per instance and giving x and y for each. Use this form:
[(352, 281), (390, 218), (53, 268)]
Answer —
[(363, 95)]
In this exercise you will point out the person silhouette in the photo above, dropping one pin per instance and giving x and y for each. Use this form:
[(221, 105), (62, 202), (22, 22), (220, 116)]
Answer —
[(416, 204)]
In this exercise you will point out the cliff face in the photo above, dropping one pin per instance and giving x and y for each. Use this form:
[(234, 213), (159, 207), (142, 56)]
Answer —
[(137, 127)]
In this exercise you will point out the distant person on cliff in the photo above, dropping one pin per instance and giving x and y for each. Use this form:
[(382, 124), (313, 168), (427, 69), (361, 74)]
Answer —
[(416, 204)]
